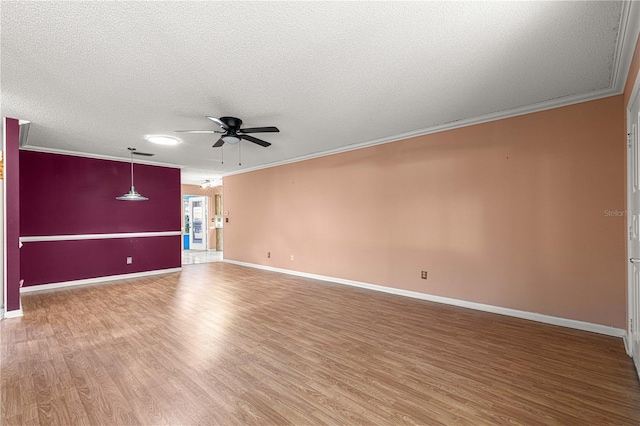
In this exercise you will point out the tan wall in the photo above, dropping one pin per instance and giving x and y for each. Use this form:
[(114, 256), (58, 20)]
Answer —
[(208, 192), (508, 213)]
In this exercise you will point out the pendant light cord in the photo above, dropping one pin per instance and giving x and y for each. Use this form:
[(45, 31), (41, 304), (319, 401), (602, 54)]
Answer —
[(132, 169)]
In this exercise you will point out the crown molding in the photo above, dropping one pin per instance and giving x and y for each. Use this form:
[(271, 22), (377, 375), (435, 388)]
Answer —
[(514, 112), (626, 44), (95, 156), (625, 47)]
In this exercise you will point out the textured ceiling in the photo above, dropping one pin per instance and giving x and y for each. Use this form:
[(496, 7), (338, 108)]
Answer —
[(95, 77)]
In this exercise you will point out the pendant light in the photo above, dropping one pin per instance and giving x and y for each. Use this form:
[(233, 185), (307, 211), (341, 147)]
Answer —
[(132, 195)]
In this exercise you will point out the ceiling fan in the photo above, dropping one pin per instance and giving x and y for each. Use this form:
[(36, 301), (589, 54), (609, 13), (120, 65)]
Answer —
[(233, 133)]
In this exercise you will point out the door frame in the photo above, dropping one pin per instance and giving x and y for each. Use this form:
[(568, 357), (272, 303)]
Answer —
[(205, 224), (628, 344), (3, 225)]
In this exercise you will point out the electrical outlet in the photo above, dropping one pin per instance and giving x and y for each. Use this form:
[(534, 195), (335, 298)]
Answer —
[(129, 260), (268, 255), (291, 257), (423, 275)]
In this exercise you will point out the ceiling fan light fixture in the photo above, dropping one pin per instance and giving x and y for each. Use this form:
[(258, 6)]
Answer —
[(162, 139), (231, 139)]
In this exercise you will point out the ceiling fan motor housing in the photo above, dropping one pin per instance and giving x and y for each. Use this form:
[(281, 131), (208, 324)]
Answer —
[(232, 122)]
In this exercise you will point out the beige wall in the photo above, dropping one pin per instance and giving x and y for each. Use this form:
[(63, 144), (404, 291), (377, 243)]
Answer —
[(508, 213), (210, 192)]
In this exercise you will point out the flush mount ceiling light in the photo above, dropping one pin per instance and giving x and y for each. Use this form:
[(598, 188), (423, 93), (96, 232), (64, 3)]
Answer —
[(210, 183), (132, 195), (163, 139)]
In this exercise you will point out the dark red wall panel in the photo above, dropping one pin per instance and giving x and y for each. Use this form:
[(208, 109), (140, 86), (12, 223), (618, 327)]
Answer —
[(67, 195), (58, 261), (12, 200)]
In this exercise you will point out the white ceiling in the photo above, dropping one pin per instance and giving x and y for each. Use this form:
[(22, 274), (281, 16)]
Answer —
[(95, 77)]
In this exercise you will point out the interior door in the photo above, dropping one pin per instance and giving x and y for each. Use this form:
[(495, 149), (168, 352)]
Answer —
[(199, 230), (633, 217)]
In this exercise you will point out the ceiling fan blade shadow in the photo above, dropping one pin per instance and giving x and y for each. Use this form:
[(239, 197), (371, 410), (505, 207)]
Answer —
[(255, 140), (268, 129), (218, 144)]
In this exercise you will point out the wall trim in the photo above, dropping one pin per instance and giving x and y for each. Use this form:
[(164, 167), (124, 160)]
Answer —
[(48, 150), (625, 46), (532, 316), (627, 346), (499, 115), (626, 43), (14, 314), (37, 239), (4, 215), (42, 287)]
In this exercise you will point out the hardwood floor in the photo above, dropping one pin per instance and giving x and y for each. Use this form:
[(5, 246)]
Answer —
[(223, 344)]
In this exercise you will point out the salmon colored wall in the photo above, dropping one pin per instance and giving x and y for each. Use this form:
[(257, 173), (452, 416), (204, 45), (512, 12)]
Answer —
[(508, 213), (210, 192)]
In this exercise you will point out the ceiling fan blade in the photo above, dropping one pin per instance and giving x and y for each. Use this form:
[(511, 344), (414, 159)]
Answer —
[(197, 131), (255, 140), (269, 129), (218, 122), (218, 144), (144, 154)]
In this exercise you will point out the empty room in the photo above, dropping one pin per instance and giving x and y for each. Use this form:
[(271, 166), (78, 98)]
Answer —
[(320, 213)]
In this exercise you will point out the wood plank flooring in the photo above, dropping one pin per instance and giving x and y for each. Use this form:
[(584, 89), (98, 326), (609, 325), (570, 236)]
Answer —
[(223, 344)]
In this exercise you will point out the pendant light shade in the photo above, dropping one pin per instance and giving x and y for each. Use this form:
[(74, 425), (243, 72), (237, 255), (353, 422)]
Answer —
[(132, 195)]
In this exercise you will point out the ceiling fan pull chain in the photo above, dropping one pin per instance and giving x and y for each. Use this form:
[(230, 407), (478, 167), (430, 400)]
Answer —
[(239, 154), (222, 150)]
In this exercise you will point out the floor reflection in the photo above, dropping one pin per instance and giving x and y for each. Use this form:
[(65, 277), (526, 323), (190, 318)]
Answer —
[(189, 257)]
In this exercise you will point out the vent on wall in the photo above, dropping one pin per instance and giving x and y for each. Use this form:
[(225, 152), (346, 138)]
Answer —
[(24, 132)]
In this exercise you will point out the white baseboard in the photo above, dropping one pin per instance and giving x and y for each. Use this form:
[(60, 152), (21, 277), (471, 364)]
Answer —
[(51, 286), (627, 346), (532, 316), (14, 314)]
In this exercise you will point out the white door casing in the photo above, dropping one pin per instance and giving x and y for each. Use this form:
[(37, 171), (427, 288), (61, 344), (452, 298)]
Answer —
[(633, 227), (199, 226)]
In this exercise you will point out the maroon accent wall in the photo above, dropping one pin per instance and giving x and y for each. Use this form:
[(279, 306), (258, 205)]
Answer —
[(12, 200), (69, 195), (58, 261), (66, 195)]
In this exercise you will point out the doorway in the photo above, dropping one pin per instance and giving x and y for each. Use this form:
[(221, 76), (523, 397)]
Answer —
[(633, 225), (202, 224), (195, 223)]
